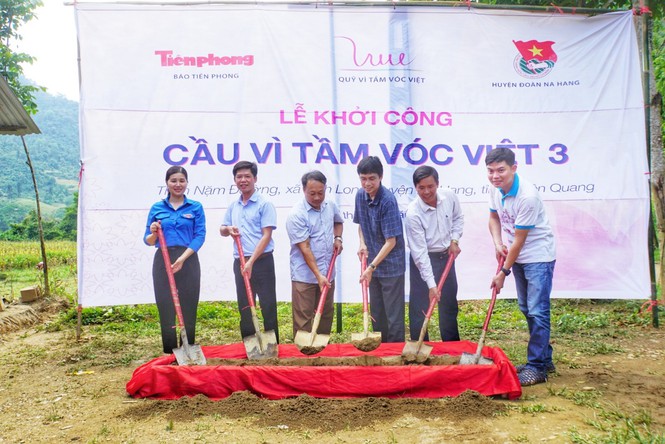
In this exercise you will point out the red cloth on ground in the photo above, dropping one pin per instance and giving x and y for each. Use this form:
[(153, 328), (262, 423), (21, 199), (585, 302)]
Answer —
[(162, 379)]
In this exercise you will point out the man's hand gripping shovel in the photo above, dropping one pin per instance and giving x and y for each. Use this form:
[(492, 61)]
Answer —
[(259, 345)]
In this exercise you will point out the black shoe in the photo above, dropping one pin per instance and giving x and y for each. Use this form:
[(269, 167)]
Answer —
[(531, 376), (550, 368)]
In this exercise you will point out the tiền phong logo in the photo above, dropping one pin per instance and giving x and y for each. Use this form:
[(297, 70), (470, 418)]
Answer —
[(535, 59)]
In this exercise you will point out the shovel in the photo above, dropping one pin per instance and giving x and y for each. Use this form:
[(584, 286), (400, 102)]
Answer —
[(365, 341), (416, 351), (259, 345), (311, 343), (186, 354), (468, 358)]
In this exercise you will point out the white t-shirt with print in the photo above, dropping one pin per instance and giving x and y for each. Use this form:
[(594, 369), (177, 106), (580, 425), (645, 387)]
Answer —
[(522, 208)]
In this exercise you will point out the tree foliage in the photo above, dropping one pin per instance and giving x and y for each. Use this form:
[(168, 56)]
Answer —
[(55, 154), (54, 229), (13, 14)]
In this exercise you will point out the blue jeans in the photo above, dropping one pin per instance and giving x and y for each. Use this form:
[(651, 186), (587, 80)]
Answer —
[(534, 285)]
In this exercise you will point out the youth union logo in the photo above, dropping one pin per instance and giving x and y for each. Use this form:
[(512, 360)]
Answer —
[(535, 59)]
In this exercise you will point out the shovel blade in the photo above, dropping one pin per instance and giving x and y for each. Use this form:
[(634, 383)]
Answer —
[(261, 345), (310, 343), (415, 351), (474, 359), (366, 341), (189, 355)]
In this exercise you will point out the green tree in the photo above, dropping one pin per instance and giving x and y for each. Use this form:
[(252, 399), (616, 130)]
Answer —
[(13, 14), (54, 229), (67, 225)]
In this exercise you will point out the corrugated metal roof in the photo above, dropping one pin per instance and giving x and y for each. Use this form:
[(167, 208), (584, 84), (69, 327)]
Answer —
[(13, 117)]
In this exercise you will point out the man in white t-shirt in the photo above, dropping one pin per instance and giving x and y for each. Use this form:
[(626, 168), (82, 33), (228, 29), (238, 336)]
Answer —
[(517, 211)]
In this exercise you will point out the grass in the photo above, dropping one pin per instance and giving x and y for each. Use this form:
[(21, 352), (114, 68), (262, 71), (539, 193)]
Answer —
[(123, 336)]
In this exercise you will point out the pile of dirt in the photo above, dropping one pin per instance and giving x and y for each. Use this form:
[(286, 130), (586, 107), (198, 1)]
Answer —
[(326, 361), (17, 316), (329, 415)]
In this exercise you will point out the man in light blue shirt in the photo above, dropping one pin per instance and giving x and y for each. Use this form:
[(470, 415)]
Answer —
[(254, 219), (315, 229)]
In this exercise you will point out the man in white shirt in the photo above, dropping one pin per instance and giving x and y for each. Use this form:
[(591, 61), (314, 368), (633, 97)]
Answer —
[(434, 225), (517, 211)]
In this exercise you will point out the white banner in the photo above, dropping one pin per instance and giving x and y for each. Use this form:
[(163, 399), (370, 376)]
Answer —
[(296, 88)]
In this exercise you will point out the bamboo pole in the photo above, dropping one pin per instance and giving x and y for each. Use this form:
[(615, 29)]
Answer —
[(47, 290), (653, 122)]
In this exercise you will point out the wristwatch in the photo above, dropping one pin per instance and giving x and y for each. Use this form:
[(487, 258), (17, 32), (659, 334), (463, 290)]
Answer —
[(339, 238), (372, 266), (505, 271)]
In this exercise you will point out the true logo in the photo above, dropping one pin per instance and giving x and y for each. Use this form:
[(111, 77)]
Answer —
[(535, 59)]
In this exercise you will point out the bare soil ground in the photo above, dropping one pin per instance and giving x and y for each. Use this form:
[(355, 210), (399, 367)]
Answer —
[(48, 396)]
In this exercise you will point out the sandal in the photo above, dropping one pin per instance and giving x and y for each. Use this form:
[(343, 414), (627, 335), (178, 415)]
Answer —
[(550, 368), (531, 376)]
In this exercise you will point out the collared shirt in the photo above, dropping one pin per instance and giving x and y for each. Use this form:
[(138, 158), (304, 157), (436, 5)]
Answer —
[(251, 218), (379, 220), (305, 222), (522, 208), (430, 230), (184, 227)]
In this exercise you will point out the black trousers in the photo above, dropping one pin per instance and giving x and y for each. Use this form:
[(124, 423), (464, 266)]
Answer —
[(188, 283), (263, 285), (419, 299), (386, 306)]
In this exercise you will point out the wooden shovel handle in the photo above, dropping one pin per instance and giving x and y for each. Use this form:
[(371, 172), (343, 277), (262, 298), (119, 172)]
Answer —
[(443, 278), (248, 286), (493, 300), (363, 267), (169, 274), (324, 293)]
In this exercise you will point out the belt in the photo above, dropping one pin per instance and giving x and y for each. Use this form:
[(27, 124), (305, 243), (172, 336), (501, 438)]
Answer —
[(263, 256), (438, 254)]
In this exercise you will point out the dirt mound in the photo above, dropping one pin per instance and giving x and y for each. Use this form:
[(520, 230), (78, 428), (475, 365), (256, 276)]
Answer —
[(321, 361), (306, 412), (19, 316)]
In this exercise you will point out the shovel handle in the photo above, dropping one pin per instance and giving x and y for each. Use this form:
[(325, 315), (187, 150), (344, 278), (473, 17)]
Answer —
[(363, 267), (169, 274), (248, 286), (324, 293), (493, 299), (443, 278)]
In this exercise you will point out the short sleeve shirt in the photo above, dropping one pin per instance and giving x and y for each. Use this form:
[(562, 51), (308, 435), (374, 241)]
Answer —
[(251, 218), (379, 220), (305, 222), (522, 208)]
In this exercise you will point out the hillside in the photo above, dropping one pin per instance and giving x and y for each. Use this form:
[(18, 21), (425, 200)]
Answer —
[(55, 157)]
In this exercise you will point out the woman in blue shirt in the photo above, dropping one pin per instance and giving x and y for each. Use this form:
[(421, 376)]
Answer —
[(184, 226)]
